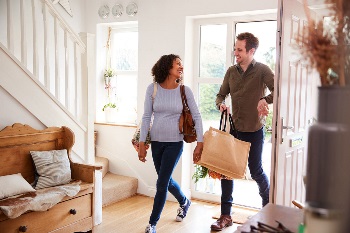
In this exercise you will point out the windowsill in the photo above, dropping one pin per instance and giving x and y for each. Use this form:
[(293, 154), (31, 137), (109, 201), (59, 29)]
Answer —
[(116, 124)]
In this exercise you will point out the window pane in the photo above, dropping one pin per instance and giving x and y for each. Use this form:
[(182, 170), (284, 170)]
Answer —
[(266, 32), (207, 108), (125, 51), (212, 51), (126, 98)]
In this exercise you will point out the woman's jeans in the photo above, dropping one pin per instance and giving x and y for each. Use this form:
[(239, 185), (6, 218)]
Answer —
[(256, 171), (165, 157)]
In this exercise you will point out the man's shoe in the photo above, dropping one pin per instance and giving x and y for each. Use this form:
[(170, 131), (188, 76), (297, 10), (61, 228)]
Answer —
[(150, 229), (182, 211), (221, 223)]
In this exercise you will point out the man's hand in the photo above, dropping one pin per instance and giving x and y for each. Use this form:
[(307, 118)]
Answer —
[(197, 153), (223, 107), (263, 108)]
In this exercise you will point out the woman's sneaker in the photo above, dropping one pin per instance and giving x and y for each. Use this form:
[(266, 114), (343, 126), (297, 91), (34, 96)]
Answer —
[(150, 229), (182, 211)]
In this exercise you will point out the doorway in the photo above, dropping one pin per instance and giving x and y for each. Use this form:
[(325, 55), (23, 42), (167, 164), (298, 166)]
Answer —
[(215, 50)]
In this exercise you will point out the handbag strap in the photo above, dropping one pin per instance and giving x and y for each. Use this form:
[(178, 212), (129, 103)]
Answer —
[(183, 97), (224, 113), (155, 86), (184, 105)]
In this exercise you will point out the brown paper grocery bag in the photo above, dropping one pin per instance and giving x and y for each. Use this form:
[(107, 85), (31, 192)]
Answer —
[(224, 154)]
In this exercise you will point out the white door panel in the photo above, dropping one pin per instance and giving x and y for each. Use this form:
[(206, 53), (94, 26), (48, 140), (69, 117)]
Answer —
[(294, 100)]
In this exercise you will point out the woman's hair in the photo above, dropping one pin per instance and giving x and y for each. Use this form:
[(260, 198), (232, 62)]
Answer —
[(250, 40), (160, 70)]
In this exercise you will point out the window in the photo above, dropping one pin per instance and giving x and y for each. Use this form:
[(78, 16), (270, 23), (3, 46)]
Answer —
[(124, 60)]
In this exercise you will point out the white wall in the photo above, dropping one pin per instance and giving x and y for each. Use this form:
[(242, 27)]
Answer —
[(77, 21), (12, 111), (164, 27)]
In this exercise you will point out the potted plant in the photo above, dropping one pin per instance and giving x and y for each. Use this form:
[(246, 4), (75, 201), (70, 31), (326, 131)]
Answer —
[(110, 107), (325, 45)]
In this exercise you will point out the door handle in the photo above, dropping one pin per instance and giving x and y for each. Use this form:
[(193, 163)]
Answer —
[(284, 127)]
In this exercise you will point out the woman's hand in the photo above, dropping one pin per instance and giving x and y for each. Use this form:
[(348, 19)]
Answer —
[(142, 152), (197, 153)]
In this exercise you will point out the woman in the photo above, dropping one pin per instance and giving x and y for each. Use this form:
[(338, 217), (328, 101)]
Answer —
[(167, 142)]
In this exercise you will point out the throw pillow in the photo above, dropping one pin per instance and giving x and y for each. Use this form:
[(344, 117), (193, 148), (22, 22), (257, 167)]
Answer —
[(14, 184), (53, 168)]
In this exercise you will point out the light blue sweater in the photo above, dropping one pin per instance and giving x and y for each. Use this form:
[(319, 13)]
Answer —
[(167, 108)]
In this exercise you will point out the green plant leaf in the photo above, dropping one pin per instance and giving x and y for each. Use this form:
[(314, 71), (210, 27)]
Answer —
[(109, 105), (199, 173)]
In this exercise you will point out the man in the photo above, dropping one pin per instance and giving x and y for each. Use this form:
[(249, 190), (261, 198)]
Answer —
[(246, 82)]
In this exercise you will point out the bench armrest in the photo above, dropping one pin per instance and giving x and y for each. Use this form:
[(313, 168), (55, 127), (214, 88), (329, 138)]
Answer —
[(84, 172)]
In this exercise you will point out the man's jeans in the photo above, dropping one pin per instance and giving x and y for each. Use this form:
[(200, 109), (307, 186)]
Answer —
[(165, 157), (256, 171)]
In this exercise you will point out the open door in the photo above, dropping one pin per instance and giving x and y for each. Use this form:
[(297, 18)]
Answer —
[(294, 107)]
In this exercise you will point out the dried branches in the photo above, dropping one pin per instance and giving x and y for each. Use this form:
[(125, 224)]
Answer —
[(325, 43)]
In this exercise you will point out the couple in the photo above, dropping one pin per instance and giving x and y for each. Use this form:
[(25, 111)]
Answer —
[(246, 82)]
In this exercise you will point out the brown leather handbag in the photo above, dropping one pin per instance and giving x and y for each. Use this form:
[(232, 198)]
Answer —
[(186, 123)]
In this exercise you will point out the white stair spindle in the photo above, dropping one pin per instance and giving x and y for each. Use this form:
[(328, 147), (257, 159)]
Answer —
[(46, 50), (57, 69), (66, 68), (35, 48), (76, 80), (23, 34), (10, 42)]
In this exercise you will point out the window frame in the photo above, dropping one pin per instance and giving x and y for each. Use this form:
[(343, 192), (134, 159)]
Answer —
[(133, 27), (231, 22)]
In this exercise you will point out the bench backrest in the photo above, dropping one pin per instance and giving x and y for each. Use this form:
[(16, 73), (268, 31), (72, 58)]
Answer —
[(18, 140)]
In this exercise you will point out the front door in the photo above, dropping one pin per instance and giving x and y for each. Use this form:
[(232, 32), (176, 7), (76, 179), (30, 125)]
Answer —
[(295, 104)]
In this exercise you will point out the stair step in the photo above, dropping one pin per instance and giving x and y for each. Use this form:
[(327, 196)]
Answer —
[(116, 188), (104, 162)]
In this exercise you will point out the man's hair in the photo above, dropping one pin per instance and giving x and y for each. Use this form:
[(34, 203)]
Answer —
[(160, 70), (251, 40)]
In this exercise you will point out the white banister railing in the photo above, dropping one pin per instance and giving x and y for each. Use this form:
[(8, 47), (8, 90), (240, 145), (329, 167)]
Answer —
[(48, 47)]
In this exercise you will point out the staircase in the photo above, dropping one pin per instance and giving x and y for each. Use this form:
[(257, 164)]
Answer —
[(43, 54), (44, 59), (115, 187)]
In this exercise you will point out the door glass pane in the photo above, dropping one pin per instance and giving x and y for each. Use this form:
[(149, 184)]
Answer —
[(212, 51), (210, 114)]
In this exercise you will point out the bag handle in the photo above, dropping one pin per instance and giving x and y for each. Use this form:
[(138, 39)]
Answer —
[(184, 106), (232, 125), (183, 97), (224, 113), (154, 91)]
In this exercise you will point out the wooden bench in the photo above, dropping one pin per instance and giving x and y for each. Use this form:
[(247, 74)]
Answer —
[(72, 214)]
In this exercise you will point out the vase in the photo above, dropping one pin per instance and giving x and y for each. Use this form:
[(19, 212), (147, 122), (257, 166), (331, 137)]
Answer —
[(111, 115), (328, 163)]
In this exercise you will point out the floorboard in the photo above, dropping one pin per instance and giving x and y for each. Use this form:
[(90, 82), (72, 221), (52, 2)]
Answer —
[(131, 216)]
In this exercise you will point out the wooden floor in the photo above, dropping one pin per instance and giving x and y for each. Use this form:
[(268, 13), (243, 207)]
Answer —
[(132, 215)]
